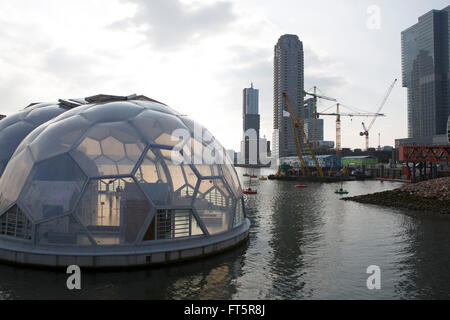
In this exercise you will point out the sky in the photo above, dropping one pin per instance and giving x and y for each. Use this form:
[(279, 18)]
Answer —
[(198, 56)]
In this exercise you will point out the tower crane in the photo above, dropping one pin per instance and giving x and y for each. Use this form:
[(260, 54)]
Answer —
[(338, 116), (315, 115), (297, 125), (366, 130)]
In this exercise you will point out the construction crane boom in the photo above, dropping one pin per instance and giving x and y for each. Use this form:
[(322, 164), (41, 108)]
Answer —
[(297, 125), (338, 116), (366, 130)]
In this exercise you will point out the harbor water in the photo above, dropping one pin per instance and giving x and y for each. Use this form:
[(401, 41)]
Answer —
[(303, 244)]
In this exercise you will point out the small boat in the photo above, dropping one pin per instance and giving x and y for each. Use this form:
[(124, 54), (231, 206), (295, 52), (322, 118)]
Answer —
[(246, 175), (301, 186), (249, 191), (253, 176), (341, 191), (262, 178)]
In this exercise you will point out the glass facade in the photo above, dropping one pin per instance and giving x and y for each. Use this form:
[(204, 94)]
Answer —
[(118, 173), (425, 72)]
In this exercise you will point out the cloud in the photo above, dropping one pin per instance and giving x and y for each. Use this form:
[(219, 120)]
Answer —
[(62, 62), (325, 82), (170, 24)]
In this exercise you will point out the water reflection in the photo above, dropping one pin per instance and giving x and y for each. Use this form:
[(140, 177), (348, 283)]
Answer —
[(303, 244)]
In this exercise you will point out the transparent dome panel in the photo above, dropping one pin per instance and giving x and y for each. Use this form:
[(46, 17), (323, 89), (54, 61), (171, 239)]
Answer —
[(14, 177), (38, 116), (11, 137), (18, 126), (30, 138), (64, 231), (113, 210), (239, 213), (160, 128), (214, 206), (177, 189), (109, 149), (156, 107), (206, 170), (12, 119), (53, 188), (231, 179), (73, 112), (112, 112), (172, 224), (58, 137), (150, 170)]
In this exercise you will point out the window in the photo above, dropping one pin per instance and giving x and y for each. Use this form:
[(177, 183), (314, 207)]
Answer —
[(14, 223)]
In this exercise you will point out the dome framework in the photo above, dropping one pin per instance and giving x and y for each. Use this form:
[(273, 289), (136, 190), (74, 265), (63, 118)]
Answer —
[(118, 183)]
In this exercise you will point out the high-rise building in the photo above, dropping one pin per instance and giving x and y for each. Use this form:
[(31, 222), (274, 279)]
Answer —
[(251, 123), (288, 77), (308, 114), (250, 112), (425, 72)]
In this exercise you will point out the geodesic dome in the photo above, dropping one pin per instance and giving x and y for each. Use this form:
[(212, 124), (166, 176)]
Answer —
[(116, 176), (14, 128)]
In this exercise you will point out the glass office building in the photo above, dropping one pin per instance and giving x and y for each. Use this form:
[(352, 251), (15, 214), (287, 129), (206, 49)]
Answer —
[(425, 72), (118, 181)]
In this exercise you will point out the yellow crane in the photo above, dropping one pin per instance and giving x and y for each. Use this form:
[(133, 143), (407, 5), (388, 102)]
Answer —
[(297, 125)]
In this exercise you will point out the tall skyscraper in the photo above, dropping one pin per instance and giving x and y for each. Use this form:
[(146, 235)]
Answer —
[(308, 114), (425, 72), (251, 109), (251, 122), (288, 77)]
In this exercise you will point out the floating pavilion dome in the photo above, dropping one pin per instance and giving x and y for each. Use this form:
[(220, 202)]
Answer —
[(118, 181)]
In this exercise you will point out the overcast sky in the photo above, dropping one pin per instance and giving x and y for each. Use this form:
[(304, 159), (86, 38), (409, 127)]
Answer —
[(197, 56)]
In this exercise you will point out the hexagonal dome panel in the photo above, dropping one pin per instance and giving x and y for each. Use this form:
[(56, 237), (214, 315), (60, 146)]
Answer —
[(159, 129), (109, 149), (53, 188), (112, 112), (214, 206), (113, 210), (14, 128)]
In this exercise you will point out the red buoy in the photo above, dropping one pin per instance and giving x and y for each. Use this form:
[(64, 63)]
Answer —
[(249, 191), (301, 186)]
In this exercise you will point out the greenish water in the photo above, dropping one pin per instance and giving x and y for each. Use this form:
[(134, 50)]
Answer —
[(303, 244)]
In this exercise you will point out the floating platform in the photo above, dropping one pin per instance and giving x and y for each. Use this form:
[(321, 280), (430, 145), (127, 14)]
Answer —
[(312, 179)]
